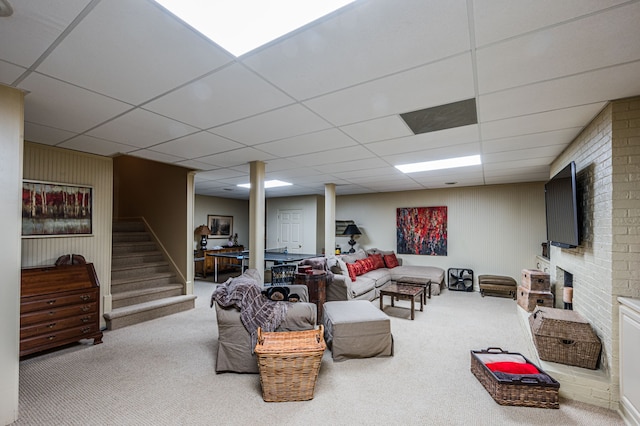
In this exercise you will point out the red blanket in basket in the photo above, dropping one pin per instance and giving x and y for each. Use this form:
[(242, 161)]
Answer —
[(513, 367)]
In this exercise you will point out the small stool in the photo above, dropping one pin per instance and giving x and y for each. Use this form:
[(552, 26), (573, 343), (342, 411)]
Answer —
[(498, 284), (356, 329)]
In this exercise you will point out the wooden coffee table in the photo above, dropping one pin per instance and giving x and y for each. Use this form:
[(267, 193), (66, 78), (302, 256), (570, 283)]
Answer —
[(424, 282), (403, 291)]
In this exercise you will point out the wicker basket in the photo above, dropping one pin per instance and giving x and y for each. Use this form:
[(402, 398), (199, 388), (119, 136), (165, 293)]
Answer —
[(565, 337), (289, 362), (526, 392)]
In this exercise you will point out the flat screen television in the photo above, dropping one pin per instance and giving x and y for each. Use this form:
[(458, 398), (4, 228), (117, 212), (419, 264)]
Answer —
[(561, 204)]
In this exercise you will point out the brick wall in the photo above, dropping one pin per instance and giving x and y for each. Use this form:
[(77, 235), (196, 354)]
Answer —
[(605, 265)]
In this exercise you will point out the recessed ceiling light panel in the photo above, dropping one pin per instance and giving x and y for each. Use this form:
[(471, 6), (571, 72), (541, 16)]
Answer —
[(447, 163), (240, 26), (268, 184)]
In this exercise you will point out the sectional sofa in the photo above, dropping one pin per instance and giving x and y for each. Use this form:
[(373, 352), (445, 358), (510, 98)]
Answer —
[(359, 276)]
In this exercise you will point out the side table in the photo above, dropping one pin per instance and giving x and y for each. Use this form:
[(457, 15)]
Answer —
[(316, 282)]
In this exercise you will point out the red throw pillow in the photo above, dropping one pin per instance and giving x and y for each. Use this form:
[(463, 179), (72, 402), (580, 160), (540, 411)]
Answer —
[(367, 265), (513, 367), (377, 261), (390, 260), (355, 269)]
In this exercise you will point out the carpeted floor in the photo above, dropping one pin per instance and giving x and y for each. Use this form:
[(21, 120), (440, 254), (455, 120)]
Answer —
[(162, 373)]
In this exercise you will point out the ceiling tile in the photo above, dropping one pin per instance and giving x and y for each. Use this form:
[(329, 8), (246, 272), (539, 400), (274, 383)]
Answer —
[(50, 19), (141, 128), (236, 157), (9, 73), (558, 138), (57, 104), (46, 135), (575, 47), (109, 58), (220, 98), (323, 140), (365, 42), (354, 154), (449, 80), (498, 19), (378, 129), (197, 145), (424, 141), (279, 124), (156, 156), (605, 84), (97, 146)]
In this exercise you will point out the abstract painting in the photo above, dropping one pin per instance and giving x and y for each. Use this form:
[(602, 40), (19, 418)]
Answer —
[(422, 230), (55, 209)]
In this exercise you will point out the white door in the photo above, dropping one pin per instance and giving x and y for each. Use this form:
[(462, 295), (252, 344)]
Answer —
[(290, 230)]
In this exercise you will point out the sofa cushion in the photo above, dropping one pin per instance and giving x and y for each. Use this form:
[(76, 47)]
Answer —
[(380, 276), (390, 260), (362, 285), (367, 264)]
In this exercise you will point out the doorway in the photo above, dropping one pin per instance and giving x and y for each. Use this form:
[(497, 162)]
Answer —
[(291, 230)]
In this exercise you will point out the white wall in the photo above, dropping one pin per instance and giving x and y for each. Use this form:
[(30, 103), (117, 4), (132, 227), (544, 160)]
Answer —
[(11, 135), (494, 229), (239, 209), (313, 211)]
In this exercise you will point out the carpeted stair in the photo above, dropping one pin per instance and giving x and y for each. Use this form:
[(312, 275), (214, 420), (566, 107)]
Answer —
[(143, 286)]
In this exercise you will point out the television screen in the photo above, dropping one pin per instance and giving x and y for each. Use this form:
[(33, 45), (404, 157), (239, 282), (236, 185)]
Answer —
[(562, 208)]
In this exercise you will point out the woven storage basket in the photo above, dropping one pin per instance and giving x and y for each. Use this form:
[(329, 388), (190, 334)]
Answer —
[(289, 362), (565, 337), (526, 392)]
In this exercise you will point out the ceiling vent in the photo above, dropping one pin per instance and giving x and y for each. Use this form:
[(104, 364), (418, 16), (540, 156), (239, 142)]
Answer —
[(442, 117)]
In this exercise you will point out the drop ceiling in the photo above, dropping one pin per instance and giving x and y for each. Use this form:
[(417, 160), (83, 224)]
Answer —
[(322, 104)]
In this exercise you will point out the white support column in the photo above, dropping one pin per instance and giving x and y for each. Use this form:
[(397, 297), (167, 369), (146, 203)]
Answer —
[(329, 219), (256, 216)]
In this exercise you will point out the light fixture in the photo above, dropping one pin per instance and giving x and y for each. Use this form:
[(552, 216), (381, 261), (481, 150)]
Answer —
[(240, 26), (203, 231), (447, 163), (352, 229), (267, 184)]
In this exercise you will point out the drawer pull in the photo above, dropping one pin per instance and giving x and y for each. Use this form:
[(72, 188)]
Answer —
[(85, 319), (52, 337), (86, 330), (86, 308), (53, 324), (51, 302), (85, 297)]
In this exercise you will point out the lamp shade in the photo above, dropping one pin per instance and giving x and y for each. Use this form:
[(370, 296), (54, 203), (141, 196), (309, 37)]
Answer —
[(203, 230), (352, 229)]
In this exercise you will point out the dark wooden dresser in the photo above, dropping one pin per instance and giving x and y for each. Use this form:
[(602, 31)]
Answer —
[(316, 282), (58, 305)]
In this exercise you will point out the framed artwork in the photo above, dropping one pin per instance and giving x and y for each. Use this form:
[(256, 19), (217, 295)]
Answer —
[(52, 209), (422, 230), (341, 225), (220, 226)]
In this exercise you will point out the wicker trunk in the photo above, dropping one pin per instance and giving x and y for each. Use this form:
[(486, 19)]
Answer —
[(529, 299), (535, 280), (525, 391), (565, 337)]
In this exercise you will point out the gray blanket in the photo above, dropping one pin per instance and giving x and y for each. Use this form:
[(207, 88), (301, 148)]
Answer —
[(255, 309)]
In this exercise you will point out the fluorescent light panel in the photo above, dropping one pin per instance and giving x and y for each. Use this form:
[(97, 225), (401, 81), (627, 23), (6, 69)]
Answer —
[(240, 26), (448, 163), (268, 184)]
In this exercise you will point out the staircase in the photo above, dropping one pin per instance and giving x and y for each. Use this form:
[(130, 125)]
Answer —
[(143, 286)]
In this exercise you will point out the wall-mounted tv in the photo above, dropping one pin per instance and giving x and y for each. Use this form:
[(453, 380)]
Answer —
[(561, 203)]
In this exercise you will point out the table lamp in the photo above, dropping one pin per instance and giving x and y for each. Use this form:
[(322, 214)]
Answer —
[(352, 230), (203, 231)]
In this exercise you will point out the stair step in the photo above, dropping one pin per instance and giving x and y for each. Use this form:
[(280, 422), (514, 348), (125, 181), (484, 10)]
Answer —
[(132, 297), (140, 270), (122, 237), (138, 283), (128, 226), (120, 259), (133, 247), (129, 315)]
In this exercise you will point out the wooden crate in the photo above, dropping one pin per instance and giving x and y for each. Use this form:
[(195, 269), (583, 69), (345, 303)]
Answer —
[(535, 280), (565, 337), (528, 299)]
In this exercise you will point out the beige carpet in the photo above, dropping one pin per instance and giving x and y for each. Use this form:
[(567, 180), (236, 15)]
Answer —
[(162, 373)]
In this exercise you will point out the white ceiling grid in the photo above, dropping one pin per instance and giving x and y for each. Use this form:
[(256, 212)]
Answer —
[(321, 105)]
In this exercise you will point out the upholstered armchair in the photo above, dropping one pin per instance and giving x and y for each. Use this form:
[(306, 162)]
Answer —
[(235, 344)]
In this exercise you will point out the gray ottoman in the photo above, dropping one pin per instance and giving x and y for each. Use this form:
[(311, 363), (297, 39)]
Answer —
[(356, 329)]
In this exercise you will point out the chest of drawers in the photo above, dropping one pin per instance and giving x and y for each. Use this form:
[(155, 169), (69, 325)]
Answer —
[(58, 305)]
